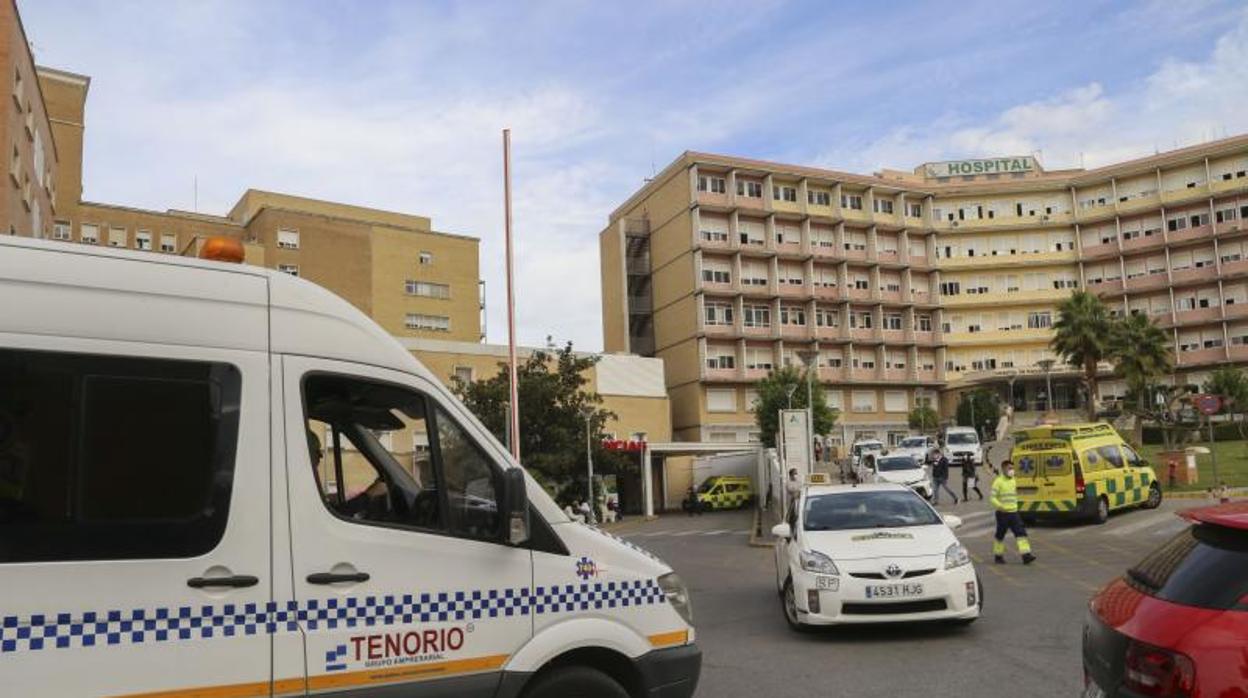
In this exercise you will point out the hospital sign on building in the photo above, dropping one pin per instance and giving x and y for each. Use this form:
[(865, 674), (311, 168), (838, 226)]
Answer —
[(1007, 165)]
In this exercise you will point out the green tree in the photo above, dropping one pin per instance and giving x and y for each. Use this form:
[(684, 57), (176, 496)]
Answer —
[(924, 418), (1140, 351), (980, 408), (1081, 338), (1231, 384), (553, 406), (774, 394)]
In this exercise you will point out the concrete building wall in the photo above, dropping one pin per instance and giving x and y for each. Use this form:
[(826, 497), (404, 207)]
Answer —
[(27, 203)]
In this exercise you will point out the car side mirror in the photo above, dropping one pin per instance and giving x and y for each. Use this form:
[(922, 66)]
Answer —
[(952, 521), (782, 531), (515, 507)]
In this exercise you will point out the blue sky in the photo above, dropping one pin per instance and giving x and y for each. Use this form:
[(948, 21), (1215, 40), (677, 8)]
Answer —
[(400, 104)]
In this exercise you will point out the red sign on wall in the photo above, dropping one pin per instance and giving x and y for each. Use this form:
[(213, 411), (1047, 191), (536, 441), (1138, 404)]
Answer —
[(1207, 404), (628, 446)]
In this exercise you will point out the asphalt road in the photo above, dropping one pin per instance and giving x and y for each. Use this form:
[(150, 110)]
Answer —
[(1025, 644)]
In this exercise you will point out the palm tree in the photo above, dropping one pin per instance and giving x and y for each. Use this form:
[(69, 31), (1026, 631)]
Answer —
[(1081, 338), (1141, 352)]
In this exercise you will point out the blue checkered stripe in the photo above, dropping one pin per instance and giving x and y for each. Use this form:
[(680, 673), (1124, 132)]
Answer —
[(149, 626)]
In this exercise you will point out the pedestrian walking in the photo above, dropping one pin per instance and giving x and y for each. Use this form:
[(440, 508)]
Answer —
[(940, 478), (1005, 502), (970, 479), (792, 488)]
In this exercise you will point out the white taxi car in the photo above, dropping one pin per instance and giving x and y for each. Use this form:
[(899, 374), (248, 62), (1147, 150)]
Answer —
[(898, 469), (875, 553)]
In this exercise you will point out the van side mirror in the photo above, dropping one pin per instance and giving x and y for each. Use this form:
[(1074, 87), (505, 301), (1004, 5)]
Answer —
[(781, 530), (514, 507)]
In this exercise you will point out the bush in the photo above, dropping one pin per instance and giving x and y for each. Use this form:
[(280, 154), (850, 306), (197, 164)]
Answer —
[(1221, 432)]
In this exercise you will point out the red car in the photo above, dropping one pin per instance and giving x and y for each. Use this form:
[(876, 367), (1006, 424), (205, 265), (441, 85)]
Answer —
[(1177, 623)]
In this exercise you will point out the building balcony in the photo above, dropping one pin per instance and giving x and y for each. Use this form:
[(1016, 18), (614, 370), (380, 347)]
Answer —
[(887, 257), (754, 374), (921, 297), (1008, 222), (792, 290), (927, 376), (855, 214), (1139, 203), (890, 296), (919, 261), (1143, 242), (896, 375), (712, 287), (1234, 310), (1048, 295), (795, 332), (1220, 185), (756, 290), (863, 374), (889, 220), (1200, 232), (1238, 268), (749, 202), (712, 200), (835, 333), (763, 332), (1227, 227), (789, 249), (856, 255), (864, 335), (894, 336), (720, 330), (1193, 275), (1198, 316), (822, 252), (1202, 356), (1178, 195), (1239, 353), (858, 294), (925, 338), (1092, 213), (721, 374), (1100, 250), (833, 373), (783, 206), (826, 293), (1147, 282), (1106, 286)]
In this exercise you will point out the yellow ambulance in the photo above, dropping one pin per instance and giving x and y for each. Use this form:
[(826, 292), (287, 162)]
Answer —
[(1080, 471), (726, 492)]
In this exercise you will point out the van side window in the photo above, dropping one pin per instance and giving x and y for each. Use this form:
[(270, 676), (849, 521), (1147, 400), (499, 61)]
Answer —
[(109, 458), (1112, 455), (369, 448), (1093, 461), (472, 483), (385, 454)]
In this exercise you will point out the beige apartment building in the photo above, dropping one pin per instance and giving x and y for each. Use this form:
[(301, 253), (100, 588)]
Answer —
[(910, 287), (413, 280)]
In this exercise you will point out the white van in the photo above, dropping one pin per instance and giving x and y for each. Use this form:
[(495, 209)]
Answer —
[(219, 480), (961, 443)]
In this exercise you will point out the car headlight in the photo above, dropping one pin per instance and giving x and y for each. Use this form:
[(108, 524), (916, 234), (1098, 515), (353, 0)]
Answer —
[(956, 555), (817, 562), (677, 595)]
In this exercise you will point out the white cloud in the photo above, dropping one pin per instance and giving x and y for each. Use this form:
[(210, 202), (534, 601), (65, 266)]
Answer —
[(1180, 103)]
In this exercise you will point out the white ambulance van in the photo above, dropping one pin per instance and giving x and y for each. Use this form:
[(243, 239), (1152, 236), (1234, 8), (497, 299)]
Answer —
[(219, 480)]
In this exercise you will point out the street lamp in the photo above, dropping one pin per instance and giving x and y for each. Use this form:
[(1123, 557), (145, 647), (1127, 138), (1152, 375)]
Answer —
[(809, 357), (588, 413)]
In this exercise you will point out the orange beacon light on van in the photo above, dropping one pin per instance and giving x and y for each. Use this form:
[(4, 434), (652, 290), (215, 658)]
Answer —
[(222, 249)]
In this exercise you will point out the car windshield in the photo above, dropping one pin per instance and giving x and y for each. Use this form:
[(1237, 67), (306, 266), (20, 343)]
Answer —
[(962, 439), (846, 511), (895, 463), (915, 442), (863, 448)]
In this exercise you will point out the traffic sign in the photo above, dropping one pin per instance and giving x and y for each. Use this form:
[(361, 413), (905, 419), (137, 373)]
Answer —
[(1207, 404)]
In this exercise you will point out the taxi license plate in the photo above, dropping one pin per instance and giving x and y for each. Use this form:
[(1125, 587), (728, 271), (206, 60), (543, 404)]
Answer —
[(1093, 691), (827, 583), (894, 591)]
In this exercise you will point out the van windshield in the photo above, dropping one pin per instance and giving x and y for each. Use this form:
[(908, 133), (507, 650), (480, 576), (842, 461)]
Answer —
[(914, 442), (962, 439), (895, 463), (706, 486)]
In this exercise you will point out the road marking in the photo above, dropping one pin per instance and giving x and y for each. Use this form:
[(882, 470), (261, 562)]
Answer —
[(1148, 521), (686, 533), (717, 532)]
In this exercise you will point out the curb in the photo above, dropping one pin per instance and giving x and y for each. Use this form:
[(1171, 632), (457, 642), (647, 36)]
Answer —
[(1201, 494)]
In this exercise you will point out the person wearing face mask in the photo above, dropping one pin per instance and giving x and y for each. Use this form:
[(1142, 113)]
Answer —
[(1005, 501)]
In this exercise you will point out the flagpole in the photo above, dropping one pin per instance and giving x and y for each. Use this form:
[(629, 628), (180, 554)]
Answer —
[(514, 412)]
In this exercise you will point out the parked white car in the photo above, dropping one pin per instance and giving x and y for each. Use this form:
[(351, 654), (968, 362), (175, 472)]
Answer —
[(900, 470), (872, 554), (960, 443), (916, 447)]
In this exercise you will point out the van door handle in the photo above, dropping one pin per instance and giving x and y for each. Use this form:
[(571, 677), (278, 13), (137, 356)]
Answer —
[(334, 578), (237, 581)]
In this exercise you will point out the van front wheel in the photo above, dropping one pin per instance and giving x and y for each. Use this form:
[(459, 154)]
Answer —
[(575, 682), (1154, 497)]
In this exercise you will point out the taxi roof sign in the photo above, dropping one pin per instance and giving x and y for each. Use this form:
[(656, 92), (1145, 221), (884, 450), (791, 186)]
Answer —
[(818, 479)]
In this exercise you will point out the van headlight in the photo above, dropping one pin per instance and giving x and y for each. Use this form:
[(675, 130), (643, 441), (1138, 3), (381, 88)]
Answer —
[(817, 562), (956, 555), (677, 595)]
